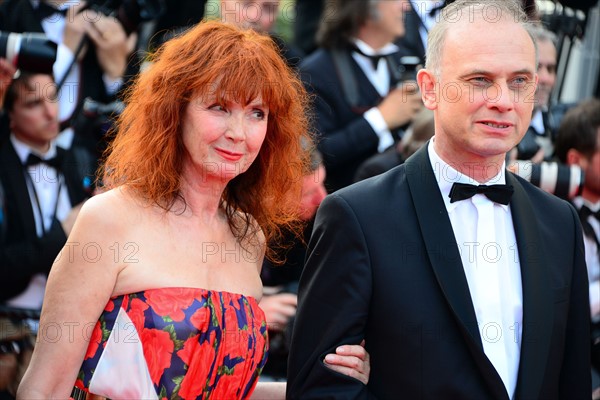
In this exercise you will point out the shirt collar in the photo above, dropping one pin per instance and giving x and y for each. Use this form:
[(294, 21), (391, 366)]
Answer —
[(23, 150), (388, 49), (446, 175), (580, 201)]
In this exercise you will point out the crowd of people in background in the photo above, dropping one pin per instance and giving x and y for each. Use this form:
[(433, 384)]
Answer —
[(368, 114)]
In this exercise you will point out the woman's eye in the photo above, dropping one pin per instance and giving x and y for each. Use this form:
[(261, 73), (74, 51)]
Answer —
[(217, 107), (259, 114)]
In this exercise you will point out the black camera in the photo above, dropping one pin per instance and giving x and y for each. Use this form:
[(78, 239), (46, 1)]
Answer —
[(28, 51), (93, 123), (407, 70), (130, 13)]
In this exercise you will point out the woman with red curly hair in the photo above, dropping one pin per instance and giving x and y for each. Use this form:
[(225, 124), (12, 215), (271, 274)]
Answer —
[(155, 294)]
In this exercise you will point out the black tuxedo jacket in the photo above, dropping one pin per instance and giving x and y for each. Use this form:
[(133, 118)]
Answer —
[(24, 254), (383, 265), (345, 138)]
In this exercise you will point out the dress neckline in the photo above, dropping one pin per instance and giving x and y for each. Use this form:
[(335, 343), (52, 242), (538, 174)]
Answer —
[(202, 290)]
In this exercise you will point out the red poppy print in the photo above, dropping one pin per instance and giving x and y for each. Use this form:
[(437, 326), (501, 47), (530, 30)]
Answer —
[(158, 347), (170, 302)]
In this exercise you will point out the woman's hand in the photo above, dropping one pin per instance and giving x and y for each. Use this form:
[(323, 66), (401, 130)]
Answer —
[(351, 360)]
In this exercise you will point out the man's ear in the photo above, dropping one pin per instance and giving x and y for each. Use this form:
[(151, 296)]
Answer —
[(427, 84), (574, 157)]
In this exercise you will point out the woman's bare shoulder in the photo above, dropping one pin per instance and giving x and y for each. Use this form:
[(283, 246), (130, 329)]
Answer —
[(110, 209)]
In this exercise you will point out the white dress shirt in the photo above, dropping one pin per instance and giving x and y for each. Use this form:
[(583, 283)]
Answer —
[(492, 268), (380, 79), (44, 185)]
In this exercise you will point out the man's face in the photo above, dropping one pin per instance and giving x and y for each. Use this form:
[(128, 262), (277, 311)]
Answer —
[(34, 117), (313, 193), (388, 19), (546, 72), (259, 15), (484, 96), (591, 168)]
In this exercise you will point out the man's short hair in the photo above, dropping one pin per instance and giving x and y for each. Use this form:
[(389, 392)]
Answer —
[(489, 10), (579, 130)]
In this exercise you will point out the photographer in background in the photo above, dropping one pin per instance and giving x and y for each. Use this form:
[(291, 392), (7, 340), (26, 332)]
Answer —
[(97, 70), (43, 187), (532, 159), (578, 143), (538, 142), (260, 15), (360, 103)]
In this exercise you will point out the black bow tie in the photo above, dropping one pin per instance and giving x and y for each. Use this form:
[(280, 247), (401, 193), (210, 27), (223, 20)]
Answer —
[(33, 160), (46, 10), (585, 212), (374, 58), (497, 193)]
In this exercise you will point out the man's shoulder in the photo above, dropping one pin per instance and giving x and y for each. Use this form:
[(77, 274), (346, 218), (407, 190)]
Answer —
[(376, 189), (319, 63)]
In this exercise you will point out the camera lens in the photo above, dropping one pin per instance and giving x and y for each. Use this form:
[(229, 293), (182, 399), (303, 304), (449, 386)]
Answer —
[(31, 52)]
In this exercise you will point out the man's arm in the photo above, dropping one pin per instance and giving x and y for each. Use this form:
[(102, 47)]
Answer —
[(334, 299)]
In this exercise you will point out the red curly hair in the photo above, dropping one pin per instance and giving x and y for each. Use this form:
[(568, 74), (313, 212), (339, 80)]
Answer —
[(231, 64)]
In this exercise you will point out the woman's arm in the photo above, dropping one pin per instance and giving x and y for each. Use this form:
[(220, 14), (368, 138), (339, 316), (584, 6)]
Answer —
[(351, 360), (79, 286)]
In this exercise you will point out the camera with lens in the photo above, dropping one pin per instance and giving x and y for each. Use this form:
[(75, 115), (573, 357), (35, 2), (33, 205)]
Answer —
[(32, 52), (130, 13), (94, 121), (407, 70)]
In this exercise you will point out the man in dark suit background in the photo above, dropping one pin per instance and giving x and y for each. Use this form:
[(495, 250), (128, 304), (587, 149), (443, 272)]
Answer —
[(354, 75), (43, 187), (457, 297)]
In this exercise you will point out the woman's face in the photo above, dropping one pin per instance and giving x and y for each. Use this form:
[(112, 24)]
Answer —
[(223, 139)]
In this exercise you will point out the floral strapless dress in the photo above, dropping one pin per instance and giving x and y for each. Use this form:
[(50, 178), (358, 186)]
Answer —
[(172, 343)]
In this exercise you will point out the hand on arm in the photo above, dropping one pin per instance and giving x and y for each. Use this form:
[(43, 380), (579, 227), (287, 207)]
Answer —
[(351, 360)]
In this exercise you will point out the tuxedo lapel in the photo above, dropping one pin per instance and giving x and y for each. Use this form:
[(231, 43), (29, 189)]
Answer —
[(72, 172), (445, 260), (13, 177), (537, 295)]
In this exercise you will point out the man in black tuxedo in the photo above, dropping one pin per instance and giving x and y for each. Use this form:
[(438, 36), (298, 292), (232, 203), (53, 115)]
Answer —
[(354, 76), (460, 291), (43, 187)]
